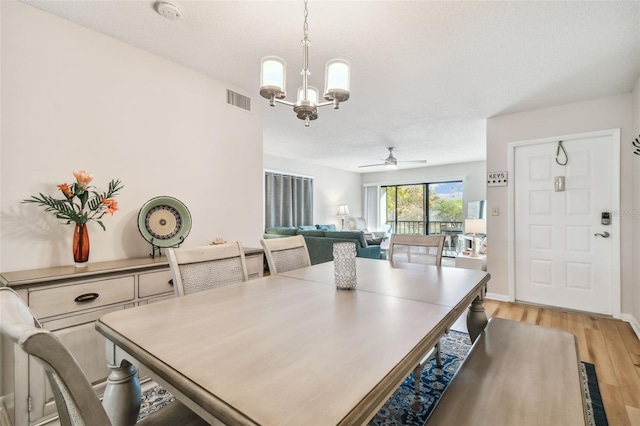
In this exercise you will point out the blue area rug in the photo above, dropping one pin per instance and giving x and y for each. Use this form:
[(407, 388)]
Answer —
[(403, 408)]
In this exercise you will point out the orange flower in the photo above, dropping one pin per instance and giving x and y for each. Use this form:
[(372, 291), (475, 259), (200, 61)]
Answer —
[(112, 205), (83, 177), (65, 190)]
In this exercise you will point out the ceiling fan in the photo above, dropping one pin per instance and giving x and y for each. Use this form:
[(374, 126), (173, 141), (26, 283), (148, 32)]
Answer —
[(392, 163)]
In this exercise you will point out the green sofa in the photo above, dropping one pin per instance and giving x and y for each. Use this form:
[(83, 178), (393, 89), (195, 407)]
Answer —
[(320, 243)]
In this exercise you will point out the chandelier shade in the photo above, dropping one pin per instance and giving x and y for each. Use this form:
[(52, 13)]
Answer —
[(273, 74), (337, 82), (312, 94)]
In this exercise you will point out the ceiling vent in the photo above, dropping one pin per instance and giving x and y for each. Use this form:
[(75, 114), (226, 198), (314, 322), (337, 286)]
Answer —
[(238, 100)]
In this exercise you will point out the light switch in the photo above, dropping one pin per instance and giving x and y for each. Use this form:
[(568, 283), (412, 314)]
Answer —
[(495, 211)]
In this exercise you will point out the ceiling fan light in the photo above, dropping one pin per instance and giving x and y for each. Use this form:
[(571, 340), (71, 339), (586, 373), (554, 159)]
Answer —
[(272, 77), (391, 166), (337, 80)]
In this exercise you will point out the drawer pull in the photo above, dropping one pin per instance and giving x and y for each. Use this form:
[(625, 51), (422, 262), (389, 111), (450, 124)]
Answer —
[(171, 282), (83, 298)]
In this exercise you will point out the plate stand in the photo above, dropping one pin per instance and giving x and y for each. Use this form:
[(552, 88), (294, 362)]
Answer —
[(155, 248)]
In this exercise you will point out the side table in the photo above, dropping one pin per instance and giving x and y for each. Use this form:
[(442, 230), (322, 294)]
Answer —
[(468, 262)]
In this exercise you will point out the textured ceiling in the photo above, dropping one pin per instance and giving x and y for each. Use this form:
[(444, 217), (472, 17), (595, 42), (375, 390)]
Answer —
[(425, 75)]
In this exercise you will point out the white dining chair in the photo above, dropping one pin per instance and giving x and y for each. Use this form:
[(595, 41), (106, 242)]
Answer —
[(422, 249), (200, 268), (75, 398), (425, 250), (286, 254)]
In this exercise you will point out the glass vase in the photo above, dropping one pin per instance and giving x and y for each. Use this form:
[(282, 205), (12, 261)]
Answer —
[(344, 263), (80, 245)]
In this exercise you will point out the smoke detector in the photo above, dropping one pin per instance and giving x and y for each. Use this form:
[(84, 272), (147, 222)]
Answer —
[(168, 10)]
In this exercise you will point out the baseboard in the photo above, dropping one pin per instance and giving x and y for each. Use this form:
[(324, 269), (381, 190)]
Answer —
[(633, 322), (499, 297)]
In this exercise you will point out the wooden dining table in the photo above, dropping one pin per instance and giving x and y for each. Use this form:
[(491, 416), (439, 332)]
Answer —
[(290, 348)]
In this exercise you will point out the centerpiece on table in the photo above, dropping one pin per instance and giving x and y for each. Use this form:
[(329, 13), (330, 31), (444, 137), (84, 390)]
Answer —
[(81, 203)]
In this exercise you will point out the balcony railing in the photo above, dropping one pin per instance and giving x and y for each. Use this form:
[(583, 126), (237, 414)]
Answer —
[(417, 227)]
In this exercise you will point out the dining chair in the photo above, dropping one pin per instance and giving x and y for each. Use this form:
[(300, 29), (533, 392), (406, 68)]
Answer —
[(200, 268), (75, 398), (422, 249), (286, 254)]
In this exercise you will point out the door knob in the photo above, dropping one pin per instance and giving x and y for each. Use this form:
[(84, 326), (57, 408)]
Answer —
[(604, 234)]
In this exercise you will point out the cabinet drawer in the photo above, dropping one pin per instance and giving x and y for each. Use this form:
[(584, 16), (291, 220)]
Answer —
[(154, 283), (62, 300)]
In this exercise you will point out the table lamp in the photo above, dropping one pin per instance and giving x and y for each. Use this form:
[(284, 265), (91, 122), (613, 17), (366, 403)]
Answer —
[(474, 226), (343, 212)]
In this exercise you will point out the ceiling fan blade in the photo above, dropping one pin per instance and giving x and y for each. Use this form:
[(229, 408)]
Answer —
[(412, 161), (371, 165)]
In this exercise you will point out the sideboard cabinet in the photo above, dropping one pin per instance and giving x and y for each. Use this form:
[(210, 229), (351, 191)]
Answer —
[(68, 301)]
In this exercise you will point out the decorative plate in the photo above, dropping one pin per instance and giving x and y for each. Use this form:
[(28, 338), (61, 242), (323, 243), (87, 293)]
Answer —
[(164, 221)]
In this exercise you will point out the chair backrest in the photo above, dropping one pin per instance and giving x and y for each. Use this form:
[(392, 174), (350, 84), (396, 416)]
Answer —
[(286, 254), (423, 249), (75, 398), (201, 268)]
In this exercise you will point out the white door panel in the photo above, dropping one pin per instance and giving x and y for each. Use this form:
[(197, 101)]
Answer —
[(558, 260)]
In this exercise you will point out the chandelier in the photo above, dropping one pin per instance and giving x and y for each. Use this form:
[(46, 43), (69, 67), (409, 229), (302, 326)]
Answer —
[(273, 81)]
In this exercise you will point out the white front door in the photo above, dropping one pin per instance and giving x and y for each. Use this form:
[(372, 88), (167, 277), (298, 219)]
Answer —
[(563, 257)]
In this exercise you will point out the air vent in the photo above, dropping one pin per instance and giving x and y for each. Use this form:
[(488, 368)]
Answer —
[(236, 99)]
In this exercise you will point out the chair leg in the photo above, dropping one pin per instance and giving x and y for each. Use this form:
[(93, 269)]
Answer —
[(417, 376)]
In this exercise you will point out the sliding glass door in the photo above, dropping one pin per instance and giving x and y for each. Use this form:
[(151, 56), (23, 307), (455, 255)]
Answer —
[(423, 209)]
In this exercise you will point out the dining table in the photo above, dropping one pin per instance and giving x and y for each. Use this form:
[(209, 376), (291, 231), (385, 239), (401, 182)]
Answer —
[(291, 348)]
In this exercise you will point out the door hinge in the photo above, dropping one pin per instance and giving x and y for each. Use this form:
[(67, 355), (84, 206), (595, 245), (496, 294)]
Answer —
[(29, 403)]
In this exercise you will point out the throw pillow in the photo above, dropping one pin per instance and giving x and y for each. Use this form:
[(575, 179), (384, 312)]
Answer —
[(280, 230)]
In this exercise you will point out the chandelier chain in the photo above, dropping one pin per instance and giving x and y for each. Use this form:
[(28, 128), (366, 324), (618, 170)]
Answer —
[(305, 27)]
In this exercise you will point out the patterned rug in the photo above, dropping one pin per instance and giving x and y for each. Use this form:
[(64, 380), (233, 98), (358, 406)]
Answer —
[(403, 408)]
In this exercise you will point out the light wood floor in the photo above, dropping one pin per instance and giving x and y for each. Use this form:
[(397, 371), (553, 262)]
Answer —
[(609, 344)]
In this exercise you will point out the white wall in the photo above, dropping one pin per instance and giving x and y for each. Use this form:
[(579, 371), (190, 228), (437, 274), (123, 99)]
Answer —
[(472, 174), (331, 187), (75, 99), (592, 115)]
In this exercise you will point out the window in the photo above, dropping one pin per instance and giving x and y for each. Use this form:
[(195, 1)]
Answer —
[(288, 200), (423, 209)]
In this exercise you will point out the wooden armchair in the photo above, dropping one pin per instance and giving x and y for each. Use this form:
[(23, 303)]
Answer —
[(422, 249), (76, 401), (201, 268), (286, 254)]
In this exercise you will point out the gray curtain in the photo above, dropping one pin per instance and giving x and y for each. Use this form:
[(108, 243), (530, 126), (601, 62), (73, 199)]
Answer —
[(288, 200)]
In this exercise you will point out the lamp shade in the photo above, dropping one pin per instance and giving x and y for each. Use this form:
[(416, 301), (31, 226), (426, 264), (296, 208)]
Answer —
[(272, 74), (343, 210), (312, 94), (475, 226), (337, 76)]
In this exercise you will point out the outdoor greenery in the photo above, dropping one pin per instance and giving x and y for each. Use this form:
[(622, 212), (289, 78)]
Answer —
[(405, 203)]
